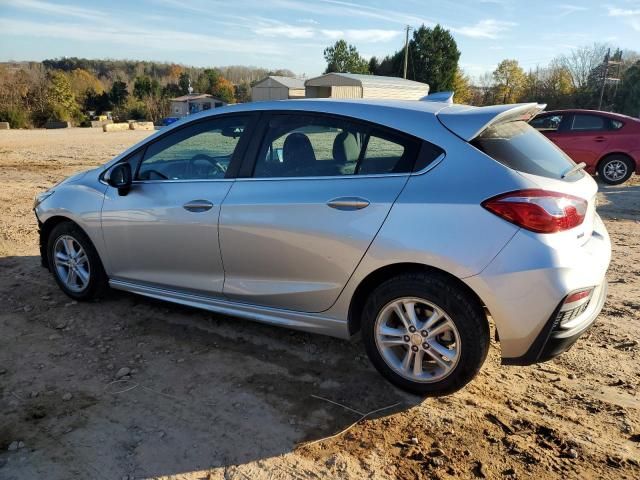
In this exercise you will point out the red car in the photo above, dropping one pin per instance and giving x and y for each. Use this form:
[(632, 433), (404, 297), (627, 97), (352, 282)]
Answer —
[(608, 143)]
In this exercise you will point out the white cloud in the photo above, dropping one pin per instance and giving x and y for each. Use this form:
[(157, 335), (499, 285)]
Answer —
[(623, 12), (287, 31), (274, 28), (154, 39), (347, 9), (489, 28), (371, 35), (628, 15), (333, 34), (568, 9), (56, 9)]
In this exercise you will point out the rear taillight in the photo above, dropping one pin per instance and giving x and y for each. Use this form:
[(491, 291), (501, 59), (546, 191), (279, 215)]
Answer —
[(540, 211)]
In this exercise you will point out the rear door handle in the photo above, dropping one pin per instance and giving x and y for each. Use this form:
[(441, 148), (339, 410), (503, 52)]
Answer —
[(600, 139), (348, 203), (198, 206)]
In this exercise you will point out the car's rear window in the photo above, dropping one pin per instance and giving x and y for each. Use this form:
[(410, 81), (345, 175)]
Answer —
[(521, 147)]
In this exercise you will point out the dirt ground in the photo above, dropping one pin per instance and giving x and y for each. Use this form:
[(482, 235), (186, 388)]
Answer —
[(213, 397)]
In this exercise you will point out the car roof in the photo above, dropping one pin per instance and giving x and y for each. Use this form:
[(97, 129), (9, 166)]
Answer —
[(415, 117), (424, 119)]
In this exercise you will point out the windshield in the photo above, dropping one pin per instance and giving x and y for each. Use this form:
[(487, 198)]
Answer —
[(521, 147)]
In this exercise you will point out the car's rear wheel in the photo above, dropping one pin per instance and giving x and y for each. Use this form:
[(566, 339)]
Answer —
[(425, 333), (75, 263), (615, 169)]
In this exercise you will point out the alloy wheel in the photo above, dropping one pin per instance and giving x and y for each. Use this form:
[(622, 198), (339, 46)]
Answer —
[(71, 263), (417, 339), (615, 170)]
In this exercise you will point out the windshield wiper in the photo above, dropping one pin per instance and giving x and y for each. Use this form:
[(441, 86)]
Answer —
[(574, 169)]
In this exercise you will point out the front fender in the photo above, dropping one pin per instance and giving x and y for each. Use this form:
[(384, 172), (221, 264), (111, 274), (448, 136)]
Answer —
[(82, 204)]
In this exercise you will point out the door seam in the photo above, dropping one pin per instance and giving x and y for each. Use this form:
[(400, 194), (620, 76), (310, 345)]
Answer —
[(364, 254), (224, 271)]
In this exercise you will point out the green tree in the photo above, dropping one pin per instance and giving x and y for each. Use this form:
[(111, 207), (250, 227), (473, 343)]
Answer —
[(183, 83), (97, 102), (145, 86), (62, 102), (374, 65), (171, 90), (243, 92), (118, 93), (433, 58), (344, 58), (509, 81), (207, 80), (628, 98)]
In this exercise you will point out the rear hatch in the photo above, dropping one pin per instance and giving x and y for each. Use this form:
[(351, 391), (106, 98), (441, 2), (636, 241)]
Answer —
[(502, 133)]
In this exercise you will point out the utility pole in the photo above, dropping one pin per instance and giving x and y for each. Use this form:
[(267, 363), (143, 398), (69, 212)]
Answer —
[(604, 77), (406, 50)]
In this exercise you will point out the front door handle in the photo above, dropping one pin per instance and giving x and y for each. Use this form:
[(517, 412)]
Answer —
[(198, 206), (348, 203)]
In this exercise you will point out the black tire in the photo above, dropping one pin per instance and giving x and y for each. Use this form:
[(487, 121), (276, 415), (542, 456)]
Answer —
[(98, 284), (621, 161), (461, 307)]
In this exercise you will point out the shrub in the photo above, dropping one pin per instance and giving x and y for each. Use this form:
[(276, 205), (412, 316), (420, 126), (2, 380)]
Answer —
[(16, 117)]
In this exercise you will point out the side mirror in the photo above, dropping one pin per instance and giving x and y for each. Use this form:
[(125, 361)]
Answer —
[(120, 177)]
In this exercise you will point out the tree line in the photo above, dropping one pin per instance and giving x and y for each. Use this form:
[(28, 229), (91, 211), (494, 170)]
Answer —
[(32, 93), (67, 89), (572, 80)]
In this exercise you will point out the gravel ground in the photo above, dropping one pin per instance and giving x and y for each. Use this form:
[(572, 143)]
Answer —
[(134, 388)]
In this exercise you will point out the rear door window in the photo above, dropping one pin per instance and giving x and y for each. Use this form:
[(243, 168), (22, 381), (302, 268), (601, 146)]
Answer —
[(583, 123), (519, 146), (306, 145)]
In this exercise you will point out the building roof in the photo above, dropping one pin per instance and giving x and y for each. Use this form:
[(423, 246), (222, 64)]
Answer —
[(192, 96), (289, 82), (359, 80)]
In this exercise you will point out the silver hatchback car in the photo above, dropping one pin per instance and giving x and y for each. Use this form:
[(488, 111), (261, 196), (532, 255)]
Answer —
[(409, 222)]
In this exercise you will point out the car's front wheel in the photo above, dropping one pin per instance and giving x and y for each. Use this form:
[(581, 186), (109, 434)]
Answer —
[(75, 263), (425, 333), (615, 169)]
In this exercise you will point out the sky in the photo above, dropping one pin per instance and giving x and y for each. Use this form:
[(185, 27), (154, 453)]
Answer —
[(293, 33)]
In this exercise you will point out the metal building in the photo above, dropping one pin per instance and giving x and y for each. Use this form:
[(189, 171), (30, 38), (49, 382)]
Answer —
[(277, 88), (351, 85)]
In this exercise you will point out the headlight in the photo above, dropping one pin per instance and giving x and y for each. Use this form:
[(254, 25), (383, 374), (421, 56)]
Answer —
[(41, 197)]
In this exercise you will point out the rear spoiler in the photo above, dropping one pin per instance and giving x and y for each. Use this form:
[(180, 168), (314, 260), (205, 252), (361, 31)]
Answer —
[(469, 122)]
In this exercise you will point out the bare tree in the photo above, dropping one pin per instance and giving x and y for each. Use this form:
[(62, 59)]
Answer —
[(582, 61)]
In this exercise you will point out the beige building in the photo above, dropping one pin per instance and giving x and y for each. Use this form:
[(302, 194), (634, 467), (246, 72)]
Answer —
[(193, 103), (277, 88), (351, 85)]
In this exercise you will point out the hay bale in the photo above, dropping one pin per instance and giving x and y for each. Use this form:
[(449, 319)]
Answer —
[(4, 126), (100, 123), (54, 124), (115, 127), (141, 126)]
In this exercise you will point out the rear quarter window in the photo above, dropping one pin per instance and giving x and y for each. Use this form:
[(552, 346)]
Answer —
[(521, 147)]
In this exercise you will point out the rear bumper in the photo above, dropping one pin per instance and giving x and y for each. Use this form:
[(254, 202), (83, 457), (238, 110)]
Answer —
[(525, 285), (555, 338)]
